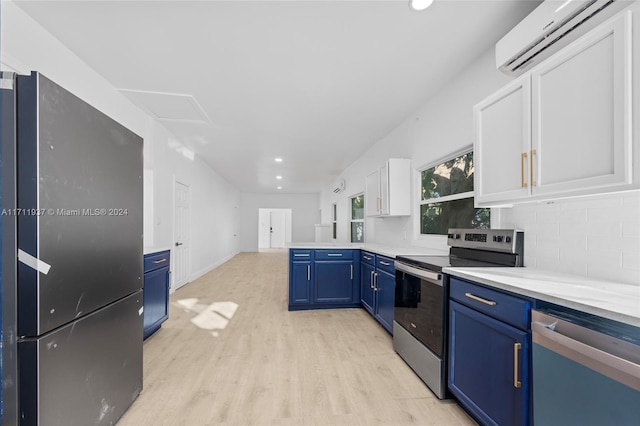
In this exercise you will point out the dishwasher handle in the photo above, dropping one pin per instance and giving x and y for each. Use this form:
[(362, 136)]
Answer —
[(577, 343)]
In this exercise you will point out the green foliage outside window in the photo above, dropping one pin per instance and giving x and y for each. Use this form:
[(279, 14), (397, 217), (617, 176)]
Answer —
[(357, 219), (447, 179)]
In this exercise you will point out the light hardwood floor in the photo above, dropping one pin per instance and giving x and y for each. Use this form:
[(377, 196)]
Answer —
[(270, 366)]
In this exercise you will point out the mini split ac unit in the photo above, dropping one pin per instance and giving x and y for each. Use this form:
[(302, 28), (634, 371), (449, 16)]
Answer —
[(551, 26), (339, 187)]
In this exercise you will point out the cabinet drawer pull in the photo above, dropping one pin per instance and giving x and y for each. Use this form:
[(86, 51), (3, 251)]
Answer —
[(533, 152), (385, 263), (480, 299), (308, 272), (300, 255), (160, 261), (516, 350), (523, 160), (366, 258), (335, 254)]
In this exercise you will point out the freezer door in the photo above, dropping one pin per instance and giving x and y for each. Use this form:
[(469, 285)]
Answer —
[(85, 373), (80, 188)]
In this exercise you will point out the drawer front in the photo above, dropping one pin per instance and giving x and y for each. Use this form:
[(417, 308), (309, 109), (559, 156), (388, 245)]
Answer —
[(334, 254), (300, 255), (385, 264), (368, 258), (156, 260), (502, 306)]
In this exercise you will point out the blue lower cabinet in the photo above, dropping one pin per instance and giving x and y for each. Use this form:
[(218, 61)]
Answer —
[(155, 294), (367, 292), (385, 299), (300, 283), (489, 359), (378, 287), (334, 282), (323, 279)]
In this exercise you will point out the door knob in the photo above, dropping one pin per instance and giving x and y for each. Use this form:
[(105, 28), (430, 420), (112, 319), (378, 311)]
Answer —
[(178, 244)]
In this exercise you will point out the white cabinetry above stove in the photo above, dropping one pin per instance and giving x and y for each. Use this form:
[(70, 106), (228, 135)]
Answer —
[(565, 128)]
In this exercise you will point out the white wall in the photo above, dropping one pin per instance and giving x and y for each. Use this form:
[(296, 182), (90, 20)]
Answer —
[(27, 46), (305, 214), (589, 236)]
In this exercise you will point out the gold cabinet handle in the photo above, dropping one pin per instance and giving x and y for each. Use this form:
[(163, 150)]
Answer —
[(308, 272), (516, 350), (523, 160), (480, 299), (533, 152)]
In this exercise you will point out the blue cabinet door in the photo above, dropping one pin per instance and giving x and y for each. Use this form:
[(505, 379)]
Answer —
[(300, 283), (385, 299), (367, 293), (333, 282), (488, 367), (155, 299)]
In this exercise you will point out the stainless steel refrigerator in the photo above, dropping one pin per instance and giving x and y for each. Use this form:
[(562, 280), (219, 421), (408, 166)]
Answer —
[(72, 312)]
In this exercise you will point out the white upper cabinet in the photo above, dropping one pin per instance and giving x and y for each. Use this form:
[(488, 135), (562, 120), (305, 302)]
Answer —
[(388, 189), (564, 128), (503, 139)]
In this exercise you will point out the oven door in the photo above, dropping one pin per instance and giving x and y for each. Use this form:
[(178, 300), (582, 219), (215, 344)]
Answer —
[(419, 305)]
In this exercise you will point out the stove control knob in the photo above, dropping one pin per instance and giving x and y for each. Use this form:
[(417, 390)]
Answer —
[(507, 239), (497, 238)]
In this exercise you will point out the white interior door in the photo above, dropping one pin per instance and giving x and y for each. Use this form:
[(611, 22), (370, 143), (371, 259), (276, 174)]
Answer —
[(277, 231), (181, 249)]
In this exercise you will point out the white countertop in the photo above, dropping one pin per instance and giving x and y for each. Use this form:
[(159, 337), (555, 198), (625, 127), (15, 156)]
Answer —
[(149, 250), (375, 248), (608, 299)]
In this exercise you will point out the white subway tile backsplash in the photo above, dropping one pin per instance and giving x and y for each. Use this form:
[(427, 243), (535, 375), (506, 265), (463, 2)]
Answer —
[(595, 236)]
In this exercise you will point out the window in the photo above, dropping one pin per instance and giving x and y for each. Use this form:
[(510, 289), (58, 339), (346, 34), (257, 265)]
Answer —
[(334, 220), (446, 199), (357, 219)]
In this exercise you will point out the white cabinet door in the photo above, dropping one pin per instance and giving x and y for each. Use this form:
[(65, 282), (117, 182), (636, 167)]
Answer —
[(581, 138), (388, 189), (372, 194), (502, 138), (384, 189), (396, 187)]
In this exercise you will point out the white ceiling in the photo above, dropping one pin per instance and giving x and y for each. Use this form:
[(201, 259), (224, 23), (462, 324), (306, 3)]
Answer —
[(314, 82)]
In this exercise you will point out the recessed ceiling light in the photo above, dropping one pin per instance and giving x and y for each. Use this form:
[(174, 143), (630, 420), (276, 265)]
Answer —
[(278, 177), (278, 160), (420, 4), (279, 187)]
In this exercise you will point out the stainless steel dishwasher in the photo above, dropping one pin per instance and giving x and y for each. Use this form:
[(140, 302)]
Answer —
[(586, 370)]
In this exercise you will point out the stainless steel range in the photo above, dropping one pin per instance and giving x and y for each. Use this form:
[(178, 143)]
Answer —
[(422, 292)]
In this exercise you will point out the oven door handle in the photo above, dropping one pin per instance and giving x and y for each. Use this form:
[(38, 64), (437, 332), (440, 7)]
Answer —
[(420, 273)]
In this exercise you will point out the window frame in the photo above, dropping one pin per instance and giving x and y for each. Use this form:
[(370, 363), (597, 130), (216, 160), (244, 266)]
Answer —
[(352, 220), (418, 193), (334, 221)]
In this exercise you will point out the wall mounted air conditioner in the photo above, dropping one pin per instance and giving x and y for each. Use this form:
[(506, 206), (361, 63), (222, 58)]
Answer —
[(340, 186), (551, 26)]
